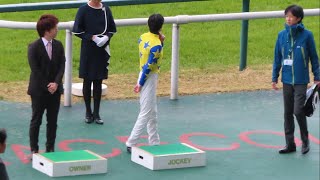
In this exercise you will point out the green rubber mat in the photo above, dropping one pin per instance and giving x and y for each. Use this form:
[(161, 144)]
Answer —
[(70, 156), (168, 149)]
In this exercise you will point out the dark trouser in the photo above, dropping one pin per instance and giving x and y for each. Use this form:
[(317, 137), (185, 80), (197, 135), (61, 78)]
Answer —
[(294, 97), (51, 103), (86, 90)]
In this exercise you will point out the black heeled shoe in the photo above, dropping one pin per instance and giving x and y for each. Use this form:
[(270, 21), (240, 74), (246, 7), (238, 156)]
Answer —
[(98, 120), (88, 119)]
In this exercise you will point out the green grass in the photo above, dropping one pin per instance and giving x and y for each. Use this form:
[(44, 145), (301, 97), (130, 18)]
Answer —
[(212, 46)]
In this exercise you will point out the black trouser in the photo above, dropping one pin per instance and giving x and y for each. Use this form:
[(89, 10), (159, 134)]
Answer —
[(48, 102), (86, 90), (294, 97)]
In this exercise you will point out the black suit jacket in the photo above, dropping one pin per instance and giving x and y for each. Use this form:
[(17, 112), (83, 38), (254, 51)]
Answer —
[(44, 70), (3, 171)]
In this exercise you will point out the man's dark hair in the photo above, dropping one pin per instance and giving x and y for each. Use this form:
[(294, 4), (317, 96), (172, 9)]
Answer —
[(46, 23), (3, 135), (155, 23), (295, 10)]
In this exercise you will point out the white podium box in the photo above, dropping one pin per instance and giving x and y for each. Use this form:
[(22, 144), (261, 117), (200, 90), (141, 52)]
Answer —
[(169, 156), (77, 89), (71, 163)]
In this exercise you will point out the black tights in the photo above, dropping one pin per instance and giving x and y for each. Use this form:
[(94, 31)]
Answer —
[(86, 90)]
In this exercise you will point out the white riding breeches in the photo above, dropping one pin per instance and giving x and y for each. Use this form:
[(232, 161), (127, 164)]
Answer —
[(148, 114)]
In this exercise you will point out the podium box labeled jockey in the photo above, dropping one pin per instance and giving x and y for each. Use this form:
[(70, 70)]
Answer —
[(69, 163), (169, 156)]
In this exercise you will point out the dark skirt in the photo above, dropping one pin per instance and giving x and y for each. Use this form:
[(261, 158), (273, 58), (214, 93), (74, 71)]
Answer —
[(93, 61)]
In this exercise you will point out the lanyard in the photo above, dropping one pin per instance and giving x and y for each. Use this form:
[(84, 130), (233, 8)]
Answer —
[(292, 41)]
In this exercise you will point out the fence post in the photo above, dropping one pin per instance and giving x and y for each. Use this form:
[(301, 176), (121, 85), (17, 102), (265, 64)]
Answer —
[(244, 37), (175, 62), (68, 69)]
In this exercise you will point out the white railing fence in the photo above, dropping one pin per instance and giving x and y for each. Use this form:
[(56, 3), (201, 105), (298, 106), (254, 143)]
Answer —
[(176, 21)]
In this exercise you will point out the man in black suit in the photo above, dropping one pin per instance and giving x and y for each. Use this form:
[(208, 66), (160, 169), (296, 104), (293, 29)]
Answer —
[(47, 62)]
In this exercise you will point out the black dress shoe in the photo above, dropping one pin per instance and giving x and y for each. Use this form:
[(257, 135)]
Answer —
[(287, 149), (305, 148), (129, 150), (88, 119), (98, 120), (49, 150), (33, 152)]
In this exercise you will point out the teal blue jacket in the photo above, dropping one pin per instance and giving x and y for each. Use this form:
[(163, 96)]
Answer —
[(296, 43)]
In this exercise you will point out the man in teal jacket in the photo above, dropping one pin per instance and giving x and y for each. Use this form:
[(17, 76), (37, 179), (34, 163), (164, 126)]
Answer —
[(295, 48)]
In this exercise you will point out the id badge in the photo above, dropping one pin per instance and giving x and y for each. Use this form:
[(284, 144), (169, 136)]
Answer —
[(288, 62)]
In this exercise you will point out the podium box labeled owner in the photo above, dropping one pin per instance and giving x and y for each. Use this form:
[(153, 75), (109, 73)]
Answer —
[(69, 163), (168, 156)]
